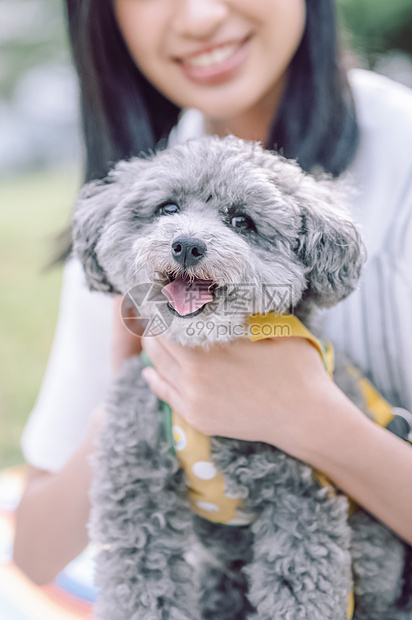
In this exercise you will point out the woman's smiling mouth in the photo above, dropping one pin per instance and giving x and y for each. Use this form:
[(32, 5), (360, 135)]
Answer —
[(216, 65)]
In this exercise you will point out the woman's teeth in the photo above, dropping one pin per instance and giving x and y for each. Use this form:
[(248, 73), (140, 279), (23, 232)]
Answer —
[(214, 57)]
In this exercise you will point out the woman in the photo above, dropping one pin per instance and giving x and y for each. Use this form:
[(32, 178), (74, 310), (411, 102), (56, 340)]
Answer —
[(271, 71)]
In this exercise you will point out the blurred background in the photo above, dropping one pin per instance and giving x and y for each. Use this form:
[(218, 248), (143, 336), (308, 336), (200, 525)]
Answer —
[(41, 169)]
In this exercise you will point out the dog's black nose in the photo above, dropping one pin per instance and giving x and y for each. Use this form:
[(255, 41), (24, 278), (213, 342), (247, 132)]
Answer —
[(188, 251)]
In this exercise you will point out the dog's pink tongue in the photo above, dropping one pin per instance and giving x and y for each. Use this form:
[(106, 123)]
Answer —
[(187, 296)]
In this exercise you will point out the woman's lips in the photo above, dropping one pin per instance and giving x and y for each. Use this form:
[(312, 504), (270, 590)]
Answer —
[(216, 66)]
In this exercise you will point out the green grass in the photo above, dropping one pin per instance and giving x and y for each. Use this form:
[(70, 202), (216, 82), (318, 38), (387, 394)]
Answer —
[(33, 210), (378, 25)]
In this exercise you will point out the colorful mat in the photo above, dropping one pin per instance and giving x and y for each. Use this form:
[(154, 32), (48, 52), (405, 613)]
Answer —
[(69, 597)]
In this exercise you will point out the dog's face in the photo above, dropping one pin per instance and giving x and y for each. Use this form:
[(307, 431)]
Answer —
[(221, 229)]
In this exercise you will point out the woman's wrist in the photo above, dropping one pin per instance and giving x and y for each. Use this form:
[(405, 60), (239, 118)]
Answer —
[(319, 415), (333, 422), (370, 464), (326, 422)]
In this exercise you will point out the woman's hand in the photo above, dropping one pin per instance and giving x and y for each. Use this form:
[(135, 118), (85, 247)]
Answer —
[(278, 391), (273, 391)]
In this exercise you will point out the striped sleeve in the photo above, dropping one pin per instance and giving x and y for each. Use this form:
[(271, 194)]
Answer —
[(374, 325)]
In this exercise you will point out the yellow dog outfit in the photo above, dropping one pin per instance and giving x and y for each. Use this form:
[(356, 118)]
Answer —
[(206, 485)]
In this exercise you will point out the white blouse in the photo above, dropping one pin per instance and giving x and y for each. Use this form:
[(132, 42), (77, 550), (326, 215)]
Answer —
[(373, 326)]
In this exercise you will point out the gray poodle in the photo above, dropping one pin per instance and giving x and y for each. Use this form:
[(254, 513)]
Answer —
[(198, 237)]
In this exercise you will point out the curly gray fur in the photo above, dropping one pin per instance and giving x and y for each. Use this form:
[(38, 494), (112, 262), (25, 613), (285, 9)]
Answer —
[(158, 561)]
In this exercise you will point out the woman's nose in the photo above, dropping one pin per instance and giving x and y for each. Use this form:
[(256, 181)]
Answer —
[(199, 19)]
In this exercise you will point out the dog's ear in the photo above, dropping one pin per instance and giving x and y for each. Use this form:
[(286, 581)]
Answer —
[(93, 206), (329, 246)]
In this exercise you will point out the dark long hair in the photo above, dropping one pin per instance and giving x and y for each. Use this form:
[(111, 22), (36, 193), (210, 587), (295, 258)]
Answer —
[(124, 114)]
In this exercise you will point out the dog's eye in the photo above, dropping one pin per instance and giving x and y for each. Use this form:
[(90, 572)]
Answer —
[(168, 209), (243, 222)]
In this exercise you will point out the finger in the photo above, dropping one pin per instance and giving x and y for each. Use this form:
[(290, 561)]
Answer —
[(162, 388), (164, 361), (179, 352)]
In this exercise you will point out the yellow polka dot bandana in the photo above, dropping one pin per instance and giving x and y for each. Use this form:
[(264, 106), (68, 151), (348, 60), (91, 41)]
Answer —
[(206, 484)]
